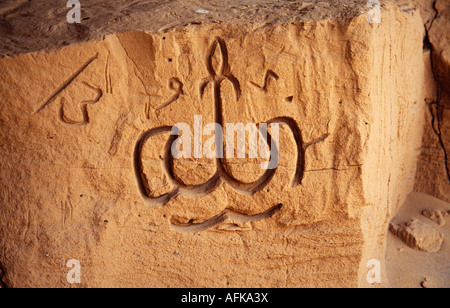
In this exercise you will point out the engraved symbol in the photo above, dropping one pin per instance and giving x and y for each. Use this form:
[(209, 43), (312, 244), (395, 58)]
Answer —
[(224, 72), (61, 116), (228, 215), (176, 86), (216, 78), (269, 75)]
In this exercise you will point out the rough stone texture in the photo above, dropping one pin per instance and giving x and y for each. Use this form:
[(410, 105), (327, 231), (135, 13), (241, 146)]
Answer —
[(418, 235), (440, 40), (79, 172), (436, 216), (28, 26), (433, 176), (425, 7)]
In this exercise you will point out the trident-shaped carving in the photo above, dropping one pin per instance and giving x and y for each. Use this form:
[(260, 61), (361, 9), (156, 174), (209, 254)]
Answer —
[(224, 72), (217, 75)]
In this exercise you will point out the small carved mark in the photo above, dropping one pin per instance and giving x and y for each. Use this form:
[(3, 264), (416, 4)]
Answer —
[(177, 87), (269, 75), (316, 141), (62, 117), (66, 212), (108, 78), (119, 129), (289, 99)]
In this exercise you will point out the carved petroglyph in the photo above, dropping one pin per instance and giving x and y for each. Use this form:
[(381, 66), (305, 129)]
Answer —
[(217, 75), (269, 75), (61, 115), (230, 216), (66, 84), (109, 88), (181, 189), (177, 87), (216, 78), (66, 212)]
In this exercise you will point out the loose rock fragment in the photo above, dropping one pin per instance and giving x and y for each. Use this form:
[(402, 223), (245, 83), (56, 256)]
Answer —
[(418, 235), (435, 215), (424, 284)]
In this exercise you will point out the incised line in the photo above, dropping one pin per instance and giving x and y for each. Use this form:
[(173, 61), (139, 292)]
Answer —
[(177, 87), (66, 84), (227, 215)]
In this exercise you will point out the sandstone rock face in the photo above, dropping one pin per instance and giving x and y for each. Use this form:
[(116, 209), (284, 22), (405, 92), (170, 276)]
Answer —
[(425, 7), (433, 176), (88, 172)]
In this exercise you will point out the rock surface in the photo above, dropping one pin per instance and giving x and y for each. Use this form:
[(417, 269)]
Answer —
[(425, 7), (418, 235), (436, 216), (84, 135), (28, 26), (433, 176)]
